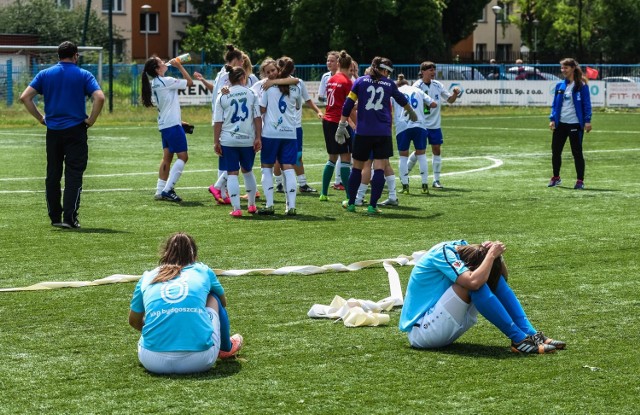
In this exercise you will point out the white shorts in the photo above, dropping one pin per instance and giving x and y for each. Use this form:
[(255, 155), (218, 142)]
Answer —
[(441, 325), (183, 362)]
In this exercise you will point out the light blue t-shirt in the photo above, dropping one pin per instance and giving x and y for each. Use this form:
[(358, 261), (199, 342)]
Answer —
[(176, 319), (434, 273)]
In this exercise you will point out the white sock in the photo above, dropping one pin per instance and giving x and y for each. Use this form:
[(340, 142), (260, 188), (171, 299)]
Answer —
[(221, 183), (302, 180), (424, 168), (403, 169), (391, 186), (160, 185), (251, 187), (290, 187), (174, 175), (267, 185), (233, 185), (412, 161), (362, 190), (436, 162), (338, 178)]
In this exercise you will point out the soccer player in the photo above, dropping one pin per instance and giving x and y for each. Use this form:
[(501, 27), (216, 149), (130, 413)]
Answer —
[(373, 94), (278, 105), (338, 88), (65, 87), (408, 131), (237, 124), (454, 281), (180, 309), (437, 92), (232, 57), (570, 118), (332, 66), (174, 141)]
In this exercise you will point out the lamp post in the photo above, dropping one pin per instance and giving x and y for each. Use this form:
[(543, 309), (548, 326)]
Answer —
[(496, 11), (535, 22), (145, 9)]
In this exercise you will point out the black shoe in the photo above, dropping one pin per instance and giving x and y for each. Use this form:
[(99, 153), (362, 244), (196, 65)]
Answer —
[(280, 188), (532, 345), (67, 225), (171, 196), (307, 189)]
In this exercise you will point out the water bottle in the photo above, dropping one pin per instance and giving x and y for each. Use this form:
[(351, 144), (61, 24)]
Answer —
[(184, 58)]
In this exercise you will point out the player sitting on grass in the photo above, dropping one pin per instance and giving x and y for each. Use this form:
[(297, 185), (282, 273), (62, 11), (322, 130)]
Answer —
[(454, 281), (179, 308)]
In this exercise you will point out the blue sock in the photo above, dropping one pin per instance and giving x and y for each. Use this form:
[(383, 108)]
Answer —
[(377, 185), (492, 309), (225, 329), (510, 302), (354, 182)]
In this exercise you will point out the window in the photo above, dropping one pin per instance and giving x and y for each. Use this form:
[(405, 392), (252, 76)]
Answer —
[(507, 10), (117, 6), (504, 52), (180, 7), (481, 51), (176, 48), (66, 4), (483, 15), (153, 23)]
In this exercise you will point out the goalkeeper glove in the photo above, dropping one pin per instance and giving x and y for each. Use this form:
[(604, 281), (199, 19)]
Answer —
[(341, 133), (412, 114)]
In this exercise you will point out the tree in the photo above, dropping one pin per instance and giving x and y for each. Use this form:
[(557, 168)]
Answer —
[(52, 24), (460, 19)]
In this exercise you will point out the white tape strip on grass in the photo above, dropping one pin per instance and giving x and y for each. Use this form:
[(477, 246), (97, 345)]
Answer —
[(394, 280)]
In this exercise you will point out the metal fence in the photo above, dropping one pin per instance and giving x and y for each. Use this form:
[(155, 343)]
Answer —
[(126, 77)]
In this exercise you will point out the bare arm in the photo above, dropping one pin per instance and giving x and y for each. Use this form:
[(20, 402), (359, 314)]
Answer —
[(456, 94), (136, 320), (176, 64), (98, 102), (279, 81), (315, 108), (206, 83), (217, 130), (257, 126), (27, 97), (473, 280)]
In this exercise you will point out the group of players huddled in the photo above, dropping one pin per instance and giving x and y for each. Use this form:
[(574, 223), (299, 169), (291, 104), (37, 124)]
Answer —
[(251, 115)]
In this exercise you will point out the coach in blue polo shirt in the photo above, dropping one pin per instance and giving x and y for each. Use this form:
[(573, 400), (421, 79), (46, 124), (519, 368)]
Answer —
[(65, 87)]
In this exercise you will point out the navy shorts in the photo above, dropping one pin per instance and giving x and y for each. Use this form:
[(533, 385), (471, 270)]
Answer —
[(285, 150), (174, 139), (434, 135), (235, 157), (417, 135)]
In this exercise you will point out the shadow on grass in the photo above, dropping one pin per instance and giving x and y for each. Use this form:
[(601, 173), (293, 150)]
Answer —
[(474, 350), (387, 214), (588, 189), (91, 230), (222, 369), (300, 217)]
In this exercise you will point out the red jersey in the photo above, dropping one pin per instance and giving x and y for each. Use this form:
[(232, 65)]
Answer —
[(338, 87)]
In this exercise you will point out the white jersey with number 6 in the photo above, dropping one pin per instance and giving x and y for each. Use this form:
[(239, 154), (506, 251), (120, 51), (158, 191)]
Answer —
[(280, 118), (419, 100)]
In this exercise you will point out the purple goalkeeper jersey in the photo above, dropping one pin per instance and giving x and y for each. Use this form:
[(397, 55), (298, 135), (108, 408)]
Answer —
[(374, 105)]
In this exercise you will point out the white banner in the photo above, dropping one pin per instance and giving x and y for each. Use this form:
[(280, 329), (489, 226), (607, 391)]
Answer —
[(198, 94), (493, 93), (623, 94), (516, 93)]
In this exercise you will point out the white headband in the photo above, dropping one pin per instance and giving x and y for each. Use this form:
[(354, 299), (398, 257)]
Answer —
[(383, 66)]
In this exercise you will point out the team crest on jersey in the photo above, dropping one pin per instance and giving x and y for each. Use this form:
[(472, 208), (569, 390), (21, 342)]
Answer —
[(458, 264), (174, 291)]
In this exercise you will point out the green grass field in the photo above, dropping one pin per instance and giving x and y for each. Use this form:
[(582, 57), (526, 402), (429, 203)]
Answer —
[(573, 258)]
